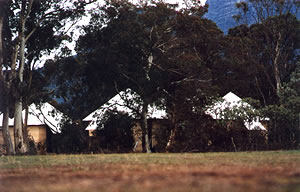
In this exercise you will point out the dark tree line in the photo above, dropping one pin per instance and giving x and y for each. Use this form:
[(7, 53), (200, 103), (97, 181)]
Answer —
[(178, 60), (269, 59)]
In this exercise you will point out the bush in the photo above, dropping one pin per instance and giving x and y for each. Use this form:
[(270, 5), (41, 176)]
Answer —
[(32, 146), (207, 135), (72, 139), (283, 127), (114, 133), (161, 136)]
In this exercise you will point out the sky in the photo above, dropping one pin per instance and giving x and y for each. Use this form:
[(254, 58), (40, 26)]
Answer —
[(175, 1), (178, 1)]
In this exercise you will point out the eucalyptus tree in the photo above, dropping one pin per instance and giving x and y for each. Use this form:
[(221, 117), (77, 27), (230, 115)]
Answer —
[(4, 99), (194, 62), (265, 57), (129, 41), (35, 28), (271, 42), (152, 48)]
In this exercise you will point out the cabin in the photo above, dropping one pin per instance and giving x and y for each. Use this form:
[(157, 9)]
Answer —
[(41, 119), (157, 118), (231, 102), (124, 102)]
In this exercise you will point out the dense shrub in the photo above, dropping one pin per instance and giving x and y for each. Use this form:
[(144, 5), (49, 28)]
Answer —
[(72, 139), (114, 133), (206, 134), (161, 136)]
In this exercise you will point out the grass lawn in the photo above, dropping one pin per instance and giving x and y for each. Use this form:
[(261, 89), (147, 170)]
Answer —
[(274, 171)]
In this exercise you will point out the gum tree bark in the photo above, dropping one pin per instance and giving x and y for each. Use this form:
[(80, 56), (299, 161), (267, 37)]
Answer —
[(4, 89), (21, 143), (34, 23), (145, 128)]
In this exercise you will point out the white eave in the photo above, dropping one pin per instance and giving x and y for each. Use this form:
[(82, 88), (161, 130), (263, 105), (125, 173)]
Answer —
[(231, 100), (45, 114), (119, 104)]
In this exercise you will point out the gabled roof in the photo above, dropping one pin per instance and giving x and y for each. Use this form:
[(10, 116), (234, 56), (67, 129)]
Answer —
[(44, 114), (231, 101), (120, 103)]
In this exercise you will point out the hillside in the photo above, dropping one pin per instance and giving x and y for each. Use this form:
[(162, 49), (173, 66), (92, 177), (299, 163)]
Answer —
[(222, 12)]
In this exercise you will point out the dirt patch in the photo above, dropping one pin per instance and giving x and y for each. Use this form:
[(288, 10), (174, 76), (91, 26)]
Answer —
[(151, 177)]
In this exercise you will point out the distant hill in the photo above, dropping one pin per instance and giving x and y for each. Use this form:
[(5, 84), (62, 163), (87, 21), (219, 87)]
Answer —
[(221, 12)]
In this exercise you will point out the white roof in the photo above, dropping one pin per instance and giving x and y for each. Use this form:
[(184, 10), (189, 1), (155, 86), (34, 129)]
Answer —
[(230, 102), (120, 102), (40, 115)]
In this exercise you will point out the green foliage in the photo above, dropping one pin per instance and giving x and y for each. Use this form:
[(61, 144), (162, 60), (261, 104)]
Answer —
[(67, 84), (115, 132), (242, 111), (45, 30), (264, 59), (151, 48), (263, 56), (72, 139), (32, 147), (122, 48), (260, 10), (284, 128), (203, 134), (134, 34), (171, 57)]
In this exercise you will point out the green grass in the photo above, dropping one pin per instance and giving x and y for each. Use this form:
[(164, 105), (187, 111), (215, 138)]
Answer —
[(211, 159), (271, 171)]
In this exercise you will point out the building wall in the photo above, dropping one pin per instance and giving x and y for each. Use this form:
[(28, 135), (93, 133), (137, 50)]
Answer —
[(11, 130), (37, 133)]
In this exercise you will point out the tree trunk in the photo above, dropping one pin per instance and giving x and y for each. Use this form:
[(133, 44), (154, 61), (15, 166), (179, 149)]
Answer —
[(172, 134), (150, 126), (144, 127), (5, 128), (20, 144), (276, 66), (25, 130), (6, 133), (146, 139), (171, 140), (20, 141), (5, 90)]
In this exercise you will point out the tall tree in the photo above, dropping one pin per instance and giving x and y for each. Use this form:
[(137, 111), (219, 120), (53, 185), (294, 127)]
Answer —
[(36, 27), (4, 103), (272, 41), (145, 47), (265, 57), (130, 45), (195, 57)]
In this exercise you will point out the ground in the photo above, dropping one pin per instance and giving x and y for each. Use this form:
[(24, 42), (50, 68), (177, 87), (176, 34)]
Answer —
[(275, 171)]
